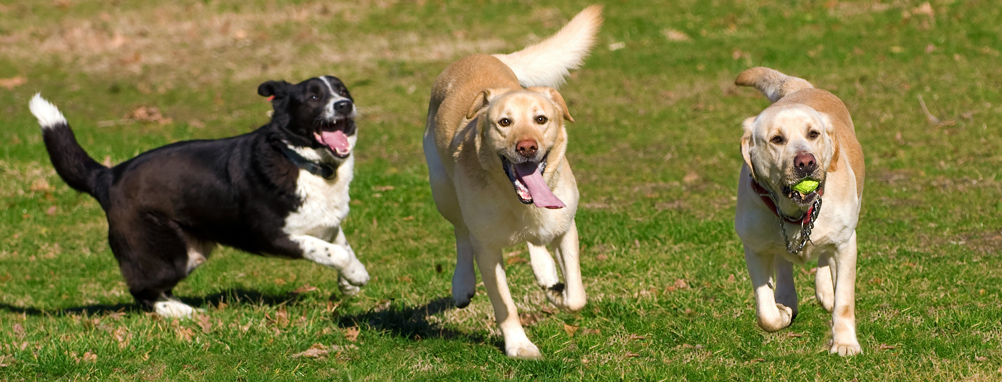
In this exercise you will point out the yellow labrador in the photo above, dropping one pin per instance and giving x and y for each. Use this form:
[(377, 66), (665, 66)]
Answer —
[(495, 153), (806, 133)]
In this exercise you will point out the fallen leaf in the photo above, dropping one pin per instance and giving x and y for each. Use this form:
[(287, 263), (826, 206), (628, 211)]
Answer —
[(315, 351), (681, 284), (692, 176), (602, 257), (383, 188), (794, 335), (630, 354), (635, 337), (13, 82), (674, 35), (515, 260), (89, 357), (18, 331), (51, 210), (351, 334), (570, 330), (885, 347), (40, 185), (305, 288), (731, 278), (529, 319)]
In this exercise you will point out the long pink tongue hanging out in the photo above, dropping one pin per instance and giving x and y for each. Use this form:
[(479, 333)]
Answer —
[(337, 141), (531, 176)]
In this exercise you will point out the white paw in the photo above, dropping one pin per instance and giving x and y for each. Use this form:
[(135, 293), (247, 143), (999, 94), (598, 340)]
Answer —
[(355, 274), (846, 348), (523, 350), (346, 288), (782, 320), (173, 309)]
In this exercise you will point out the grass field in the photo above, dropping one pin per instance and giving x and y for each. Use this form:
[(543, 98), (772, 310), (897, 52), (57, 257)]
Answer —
[(655, 151)]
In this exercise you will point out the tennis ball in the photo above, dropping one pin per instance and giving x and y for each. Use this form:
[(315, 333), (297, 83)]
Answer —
[(806, 186)]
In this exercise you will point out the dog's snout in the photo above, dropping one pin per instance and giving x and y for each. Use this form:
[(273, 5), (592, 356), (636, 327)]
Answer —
[(527, 148), (342, 107), (805, 163)]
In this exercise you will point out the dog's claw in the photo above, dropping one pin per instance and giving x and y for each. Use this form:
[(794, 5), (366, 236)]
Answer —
[(846, 349)]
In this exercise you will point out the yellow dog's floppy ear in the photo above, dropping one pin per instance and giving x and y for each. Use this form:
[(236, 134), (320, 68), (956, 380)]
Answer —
[(746, 142), (481, 101), (556, 98)]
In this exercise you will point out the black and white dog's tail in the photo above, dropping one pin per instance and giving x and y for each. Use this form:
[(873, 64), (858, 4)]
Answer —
[(72, 163)]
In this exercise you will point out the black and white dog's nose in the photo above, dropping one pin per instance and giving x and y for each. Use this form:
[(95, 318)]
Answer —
[(342, 107)]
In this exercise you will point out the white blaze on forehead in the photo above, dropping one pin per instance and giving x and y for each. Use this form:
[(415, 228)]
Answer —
[(335, 97)]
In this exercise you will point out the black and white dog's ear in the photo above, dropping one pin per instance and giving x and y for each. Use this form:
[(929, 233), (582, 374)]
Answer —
[(278, 89)]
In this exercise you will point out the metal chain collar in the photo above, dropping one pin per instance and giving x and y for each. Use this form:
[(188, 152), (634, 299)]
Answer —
[(805, 228)]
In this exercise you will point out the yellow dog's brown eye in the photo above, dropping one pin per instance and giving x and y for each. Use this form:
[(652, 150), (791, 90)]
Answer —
[(777, 140), (813, 134), (541, 119), (504, 122)]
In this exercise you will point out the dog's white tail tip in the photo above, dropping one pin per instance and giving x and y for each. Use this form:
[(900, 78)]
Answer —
[(48, 114)]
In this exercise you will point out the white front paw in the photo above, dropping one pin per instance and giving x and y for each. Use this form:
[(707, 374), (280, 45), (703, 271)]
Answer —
[(845, 349), (523, 350), (346, 288), (355, 274)]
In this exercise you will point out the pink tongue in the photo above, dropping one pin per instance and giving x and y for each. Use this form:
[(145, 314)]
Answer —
[(337, 141), (532, 178)]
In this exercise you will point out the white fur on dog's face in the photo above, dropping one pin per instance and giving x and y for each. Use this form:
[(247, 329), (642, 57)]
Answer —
[(529, 115), (774, 138)]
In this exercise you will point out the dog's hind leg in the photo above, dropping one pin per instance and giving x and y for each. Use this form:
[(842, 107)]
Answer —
[(464, 280), (824, 281), (153, 257), (516, 343), (570, 294), (545, 270), (786, 291), (771, 316)]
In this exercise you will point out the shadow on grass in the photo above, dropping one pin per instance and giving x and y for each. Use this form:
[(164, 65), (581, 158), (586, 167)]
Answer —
[(411, 322), (229, 297)]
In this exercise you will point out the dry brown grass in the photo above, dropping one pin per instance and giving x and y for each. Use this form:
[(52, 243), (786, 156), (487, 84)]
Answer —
[(176, 42)]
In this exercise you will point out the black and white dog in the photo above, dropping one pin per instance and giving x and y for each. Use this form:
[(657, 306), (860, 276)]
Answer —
[(280, 190)]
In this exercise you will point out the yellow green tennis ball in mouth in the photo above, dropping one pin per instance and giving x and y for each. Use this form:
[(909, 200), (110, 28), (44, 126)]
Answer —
[(806, 186)]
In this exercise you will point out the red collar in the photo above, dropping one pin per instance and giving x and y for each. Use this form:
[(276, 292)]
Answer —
[(767, 199)]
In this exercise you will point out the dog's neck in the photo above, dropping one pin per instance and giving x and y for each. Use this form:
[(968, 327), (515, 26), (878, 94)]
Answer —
[(323, 170)]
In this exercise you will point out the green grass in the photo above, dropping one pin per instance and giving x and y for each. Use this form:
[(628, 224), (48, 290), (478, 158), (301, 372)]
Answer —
[(655, 150)]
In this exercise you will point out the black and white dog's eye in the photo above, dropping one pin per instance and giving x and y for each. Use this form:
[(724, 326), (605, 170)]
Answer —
[(314, 97)]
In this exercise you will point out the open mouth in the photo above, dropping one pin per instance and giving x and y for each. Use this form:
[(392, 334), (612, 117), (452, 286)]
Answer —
[(530, 187), (331, 135), (800, 197)]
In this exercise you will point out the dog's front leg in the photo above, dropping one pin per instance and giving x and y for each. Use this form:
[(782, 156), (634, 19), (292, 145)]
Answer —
[(844, 340), (771, 316), (337, 255), (516, 343), (345, 285)]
